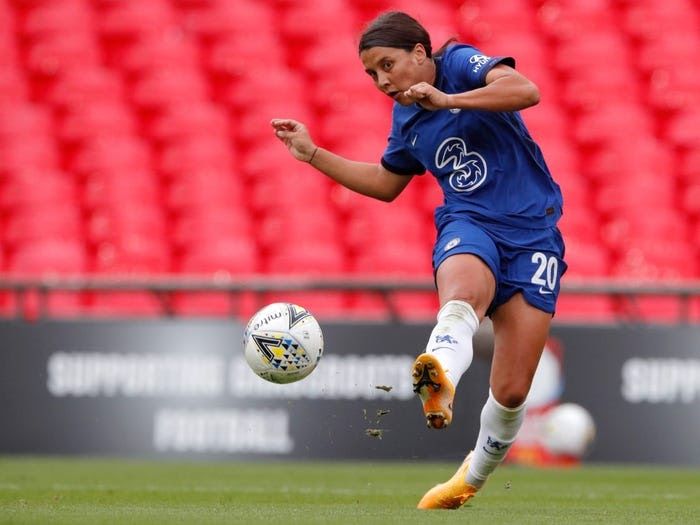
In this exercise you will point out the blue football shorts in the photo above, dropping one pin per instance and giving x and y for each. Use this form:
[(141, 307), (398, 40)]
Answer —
[(521, 260)]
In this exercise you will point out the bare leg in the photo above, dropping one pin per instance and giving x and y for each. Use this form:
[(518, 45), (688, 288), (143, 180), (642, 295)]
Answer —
[(467, 278), (520, 332)]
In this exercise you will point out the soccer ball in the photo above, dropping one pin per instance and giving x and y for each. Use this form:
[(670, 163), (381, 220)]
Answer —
[(283, 343), (568, 429)]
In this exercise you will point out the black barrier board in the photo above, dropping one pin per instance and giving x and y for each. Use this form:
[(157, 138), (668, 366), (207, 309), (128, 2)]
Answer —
[(174, 389)]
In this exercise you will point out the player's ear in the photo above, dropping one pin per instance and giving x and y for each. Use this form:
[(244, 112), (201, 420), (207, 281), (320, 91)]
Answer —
[(419, 53)]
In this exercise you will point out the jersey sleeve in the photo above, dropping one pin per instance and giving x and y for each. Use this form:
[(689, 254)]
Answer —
[(471, 66), (397, 158)]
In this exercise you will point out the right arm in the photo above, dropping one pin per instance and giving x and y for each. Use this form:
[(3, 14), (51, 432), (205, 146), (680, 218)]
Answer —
[(372, 180)]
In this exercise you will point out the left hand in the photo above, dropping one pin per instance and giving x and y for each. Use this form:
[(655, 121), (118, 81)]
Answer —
[(427, 95)]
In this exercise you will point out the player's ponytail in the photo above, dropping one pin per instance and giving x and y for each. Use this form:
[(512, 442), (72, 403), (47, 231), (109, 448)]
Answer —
[(444, 46)]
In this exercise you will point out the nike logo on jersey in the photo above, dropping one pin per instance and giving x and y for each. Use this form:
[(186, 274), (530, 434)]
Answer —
[(414, 139), (545, 292), (452, 243)]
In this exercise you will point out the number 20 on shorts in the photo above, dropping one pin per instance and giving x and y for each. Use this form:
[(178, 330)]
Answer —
[(546, 274)]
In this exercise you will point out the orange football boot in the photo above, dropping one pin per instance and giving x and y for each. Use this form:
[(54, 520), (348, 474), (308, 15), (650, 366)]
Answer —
[(451, 494), (435, 390)]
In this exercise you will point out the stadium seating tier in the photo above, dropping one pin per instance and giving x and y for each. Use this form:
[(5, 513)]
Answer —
[(134, 137)]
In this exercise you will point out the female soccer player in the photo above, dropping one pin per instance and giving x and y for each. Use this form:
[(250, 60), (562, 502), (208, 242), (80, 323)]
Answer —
[(498, 251)]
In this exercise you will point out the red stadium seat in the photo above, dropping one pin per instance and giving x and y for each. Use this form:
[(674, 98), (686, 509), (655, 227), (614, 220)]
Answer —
[(127, 20), (627, 229), (547, 120), (337, 56), (51, 18), (132, 253), (591, 88), (586, 260), (689, 165), (36, 190), (19, 154), (13, 85), (197, 227), (672, 48), (156, 114), (23, 120), (574, 308), (480, 22), (695, 233), (309, 259), (312, 258), (656, 259), (218, 20), (629, 196), (583, 53), (237, 56), (565, 19), (596, 127), (49, 257), (9, 49), (672, 88), (580, 224), (29, 227), (111, 223), (77, 87), (111, 188), (625, 157), (159, 51), (160, 89), (302, 25), (220, 190), (123, 152), (682, 130), (197, 154), (653, 20), (294, 186), (50, 57), (190, 120), (395, 259), (215, 304), (349, 125), (691, 199), (371, 226), (259, 89), (298, 227), (94, 119), (124, 305), (237, 257)]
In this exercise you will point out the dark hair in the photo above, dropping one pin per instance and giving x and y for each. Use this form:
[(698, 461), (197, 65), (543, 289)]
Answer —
[(395, 29)]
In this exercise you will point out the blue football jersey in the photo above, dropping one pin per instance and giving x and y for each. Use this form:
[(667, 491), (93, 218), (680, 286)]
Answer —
[(486, 163)]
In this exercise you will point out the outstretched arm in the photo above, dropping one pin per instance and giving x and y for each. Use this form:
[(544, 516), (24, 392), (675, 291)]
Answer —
[(369, 179), (505, 90)]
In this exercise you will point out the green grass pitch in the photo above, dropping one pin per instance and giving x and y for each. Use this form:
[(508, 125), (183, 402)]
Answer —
[(95, 491)]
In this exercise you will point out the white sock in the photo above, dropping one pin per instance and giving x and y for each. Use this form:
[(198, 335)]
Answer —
[(499, 427), (451, 339)]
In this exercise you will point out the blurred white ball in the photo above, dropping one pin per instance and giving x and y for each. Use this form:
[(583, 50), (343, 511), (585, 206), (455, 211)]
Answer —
[(568, 429)]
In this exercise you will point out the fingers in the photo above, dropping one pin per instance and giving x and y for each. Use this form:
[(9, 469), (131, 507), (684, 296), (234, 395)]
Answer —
[(286, 128), (285, 124), (418, 91)]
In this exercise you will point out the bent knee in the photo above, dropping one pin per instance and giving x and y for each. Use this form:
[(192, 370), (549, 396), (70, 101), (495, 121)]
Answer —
[(512, 395)]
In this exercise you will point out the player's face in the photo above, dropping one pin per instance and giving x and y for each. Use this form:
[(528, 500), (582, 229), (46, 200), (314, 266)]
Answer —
[(394, 70)]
